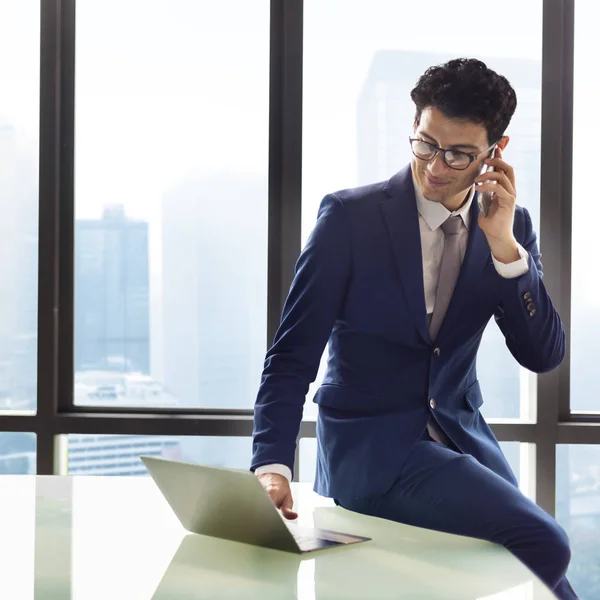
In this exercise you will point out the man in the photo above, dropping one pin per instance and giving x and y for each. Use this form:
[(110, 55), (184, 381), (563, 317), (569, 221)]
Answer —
[(402, 278)]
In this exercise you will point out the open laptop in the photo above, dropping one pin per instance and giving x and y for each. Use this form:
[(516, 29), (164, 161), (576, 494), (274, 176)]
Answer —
[(232, 504)]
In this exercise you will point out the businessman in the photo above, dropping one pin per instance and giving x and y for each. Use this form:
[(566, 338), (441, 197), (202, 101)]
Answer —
[(401, 278)]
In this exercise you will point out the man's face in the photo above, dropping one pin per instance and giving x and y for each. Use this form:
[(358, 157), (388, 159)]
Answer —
[(437, 181)]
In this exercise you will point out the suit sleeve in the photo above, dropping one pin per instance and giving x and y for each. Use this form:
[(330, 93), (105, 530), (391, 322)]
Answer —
[(531, 325), (310, 311)]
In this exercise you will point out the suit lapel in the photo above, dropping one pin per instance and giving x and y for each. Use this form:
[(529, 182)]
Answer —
[(477, 256), (402, 222)]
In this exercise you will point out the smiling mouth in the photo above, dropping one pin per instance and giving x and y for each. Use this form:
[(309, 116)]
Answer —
[(434, 182)]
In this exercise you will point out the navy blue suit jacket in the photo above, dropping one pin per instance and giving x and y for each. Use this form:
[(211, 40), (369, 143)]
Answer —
[(359, 284)]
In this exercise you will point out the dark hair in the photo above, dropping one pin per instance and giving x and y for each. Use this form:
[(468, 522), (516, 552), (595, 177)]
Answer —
[(466, 88)]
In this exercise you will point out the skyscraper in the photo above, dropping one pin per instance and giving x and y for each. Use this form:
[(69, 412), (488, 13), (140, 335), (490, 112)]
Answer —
[(214, 289), (112, 327)]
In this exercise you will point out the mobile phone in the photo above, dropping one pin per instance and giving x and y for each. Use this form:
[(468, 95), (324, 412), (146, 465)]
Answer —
[(485, 198)]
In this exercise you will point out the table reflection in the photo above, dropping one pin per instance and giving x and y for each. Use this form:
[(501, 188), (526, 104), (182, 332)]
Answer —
[(53, 537), (407, 562)]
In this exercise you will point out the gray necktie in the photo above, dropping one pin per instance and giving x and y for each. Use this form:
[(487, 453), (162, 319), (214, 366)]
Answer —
[(449, 271)]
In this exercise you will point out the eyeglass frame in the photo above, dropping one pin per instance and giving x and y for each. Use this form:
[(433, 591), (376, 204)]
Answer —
[(472, 157)]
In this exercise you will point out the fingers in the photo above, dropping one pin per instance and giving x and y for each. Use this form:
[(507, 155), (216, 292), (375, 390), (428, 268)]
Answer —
[(288, 513), (286, 505), (500, 197), (278, 489), (498, 176), (501, 180), (501, 166)]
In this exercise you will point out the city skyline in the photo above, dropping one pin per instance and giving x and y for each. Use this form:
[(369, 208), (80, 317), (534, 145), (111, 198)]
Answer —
[(155, 249), (158, 312)]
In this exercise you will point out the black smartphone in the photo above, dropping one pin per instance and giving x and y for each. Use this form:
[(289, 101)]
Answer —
[(485, 198)]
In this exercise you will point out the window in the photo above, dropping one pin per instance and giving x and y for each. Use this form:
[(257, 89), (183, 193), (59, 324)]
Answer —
[(19, 117), (578, 511), (171, 202), (17, 453), (585, 286), (358, 116), (120, 454)]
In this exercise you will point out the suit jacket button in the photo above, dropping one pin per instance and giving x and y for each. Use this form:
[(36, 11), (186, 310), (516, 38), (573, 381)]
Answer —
[(527, 296), (531, 306), (436, 352), (432, 403), (532, 312)]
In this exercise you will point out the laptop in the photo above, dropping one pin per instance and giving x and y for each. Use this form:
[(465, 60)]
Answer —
[(232, 504)]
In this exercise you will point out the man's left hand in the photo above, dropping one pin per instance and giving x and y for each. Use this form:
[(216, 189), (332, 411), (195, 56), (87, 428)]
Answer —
[(498, 224)]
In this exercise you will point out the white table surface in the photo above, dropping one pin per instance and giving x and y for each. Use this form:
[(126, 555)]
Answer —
[(116, 538)]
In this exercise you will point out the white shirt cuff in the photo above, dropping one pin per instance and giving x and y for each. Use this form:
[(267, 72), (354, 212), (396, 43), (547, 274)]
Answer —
[(513, 269), (277, 469)]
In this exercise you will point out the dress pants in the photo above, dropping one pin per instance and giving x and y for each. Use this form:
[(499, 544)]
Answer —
[(442, 489)]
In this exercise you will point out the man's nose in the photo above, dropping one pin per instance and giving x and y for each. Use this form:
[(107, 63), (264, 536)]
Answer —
[(437, 167)]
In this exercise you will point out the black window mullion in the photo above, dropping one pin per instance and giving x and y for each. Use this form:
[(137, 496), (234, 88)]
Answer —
[(556, 192), (285, 153)]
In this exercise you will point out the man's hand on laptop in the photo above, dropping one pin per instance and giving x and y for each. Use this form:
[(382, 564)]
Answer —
[(280, 492)]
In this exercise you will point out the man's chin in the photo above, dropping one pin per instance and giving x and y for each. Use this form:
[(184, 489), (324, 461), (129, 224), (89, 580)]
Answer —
[(433, 196)]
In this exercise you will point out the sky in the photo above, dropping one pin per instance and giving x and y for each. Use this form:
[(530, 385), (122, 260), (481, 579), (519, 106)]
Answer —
[(163, 88)]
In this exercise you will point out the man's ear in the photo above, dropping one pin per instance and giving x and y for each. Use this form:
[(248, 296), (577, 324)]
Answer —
[(503, 142)]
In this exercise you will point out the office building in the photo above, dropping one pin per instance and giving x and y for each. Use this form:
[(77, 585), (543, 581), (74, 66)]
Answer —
[(214, 289), (104, 454), (112, 325)]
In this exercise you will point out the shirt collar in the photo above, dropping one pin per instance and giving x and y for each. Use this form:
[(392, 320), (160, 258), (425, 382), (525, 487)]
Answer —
[(435, 213)]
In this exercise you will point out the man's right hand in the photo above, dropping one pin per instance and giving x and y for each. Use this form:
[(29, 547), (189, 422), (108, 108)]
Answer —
[(280, 492)]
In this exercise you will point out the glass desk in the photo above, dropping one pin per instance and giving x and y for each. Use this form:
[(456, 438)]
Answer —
[(116, 538)]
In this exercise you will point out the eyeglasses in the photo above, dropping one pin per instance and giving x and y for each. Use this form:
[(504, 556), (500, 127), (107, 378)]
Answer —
[(459, 161)]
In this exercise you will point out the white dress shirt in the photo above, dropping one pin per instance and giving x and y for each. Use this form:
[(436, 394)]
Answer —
[(431, 217)]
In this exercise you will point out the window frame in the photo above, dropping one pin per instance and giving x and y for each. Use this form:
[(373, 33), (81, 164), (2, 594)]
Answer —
[(56, 413)]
